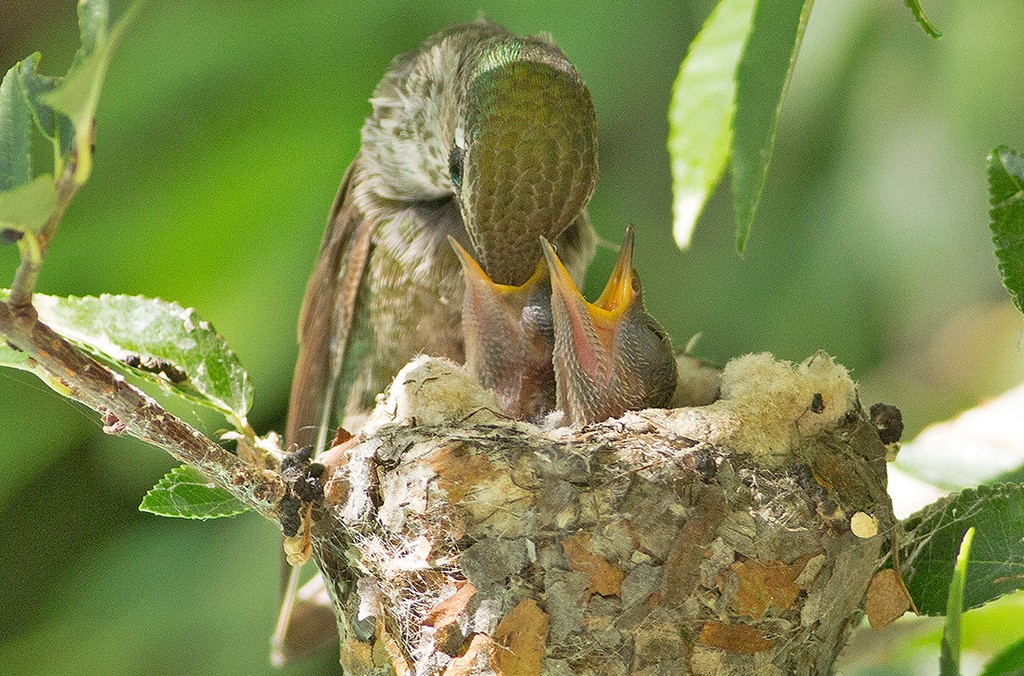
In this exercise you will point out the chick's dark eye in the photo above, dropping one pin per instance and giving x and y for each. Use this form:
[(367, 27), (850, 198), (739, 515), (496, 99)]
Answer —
[(455, 165)]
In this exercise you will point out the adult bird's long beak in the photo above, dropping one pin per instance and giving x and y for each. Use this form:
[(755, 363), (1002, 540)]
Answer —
[(508, 337), (610, 356)]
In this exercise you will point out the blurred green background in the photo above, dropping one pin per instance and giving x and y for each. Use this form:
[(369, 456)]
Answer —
[(222, 133)]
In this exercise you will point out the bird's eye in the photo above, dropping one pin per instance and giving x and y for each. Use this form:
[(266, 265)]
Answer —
[(455, 165)]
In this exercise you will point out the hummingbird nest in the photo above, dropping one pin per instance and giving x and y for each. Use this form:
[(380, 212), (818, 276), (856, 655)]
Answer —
[(736, 537)]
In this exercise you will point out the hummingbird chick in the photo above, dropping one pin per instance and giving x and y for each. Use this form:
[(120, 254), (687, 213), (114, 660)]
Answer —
[(610, 356), (509, 337)]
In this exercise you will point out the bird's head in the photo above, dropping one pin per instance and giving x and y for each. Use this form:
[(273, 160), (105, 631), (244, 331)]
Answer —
[(609, 356), (523, 160)]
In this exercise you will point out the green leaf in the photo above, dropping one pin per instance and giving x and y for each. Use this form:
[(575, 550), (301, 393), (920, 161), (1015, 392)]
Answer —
[(170, 342), (761, 80), (932, 539), (54, 126), (1013, 476), (1009, 661), (13, 358), (28, 207), (93, 20), (701, 112), (949, 661), (1006, 197), (922, 20), (161, 341), (78, 93), (15, 133), (979, 445), (185, 493)]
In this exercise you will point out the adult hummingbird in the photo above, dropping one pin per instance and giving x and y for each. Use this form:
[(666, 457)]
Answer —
[(479, 135), (610, 356)]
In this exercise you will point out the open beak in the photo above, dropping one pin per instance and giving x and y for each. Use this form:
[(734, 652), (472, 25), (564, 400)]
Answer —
[(504, 350), (589, 329)]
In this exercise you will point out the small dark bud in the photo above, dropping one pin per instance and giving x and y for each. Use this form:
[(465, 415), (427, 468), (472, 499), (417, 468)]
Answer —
[(309, 489), (10, 235), (173, 373), (888, 420), (157, 365), (817, 403), (288, 509), (296, 459)]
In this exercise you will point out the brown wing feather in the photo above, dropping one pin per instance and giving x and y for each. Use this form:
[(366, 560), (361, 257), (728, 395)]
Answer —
[(325, 323), (327, 311)]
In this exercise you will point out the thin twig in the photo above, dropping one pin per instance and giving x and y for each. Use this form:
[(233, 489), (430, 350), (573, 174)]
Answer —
[(34, 246), (129, 410)]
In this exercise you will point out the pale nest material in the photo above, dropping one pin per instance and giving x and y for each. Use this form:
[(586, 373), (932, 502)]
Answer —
[(697, 384), (433, 391), (768, 406)]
